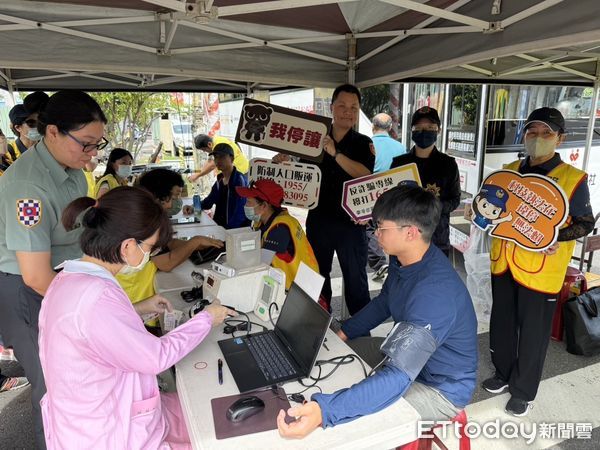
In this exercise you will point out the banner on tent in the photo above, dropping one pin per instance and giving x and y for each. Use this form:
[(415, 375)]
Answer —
[(360, 194), (282, 129), (300, 182), (525, 209)]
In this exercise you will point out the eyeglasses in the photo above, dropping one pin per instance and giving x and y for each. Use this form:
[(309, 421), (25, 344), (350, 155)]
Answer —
[(31, 123), (89, 147), (379, 230), (154, 252)]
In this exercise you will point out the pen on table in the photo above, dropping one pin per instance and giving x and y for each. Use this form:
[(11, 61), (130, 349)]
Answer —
[(220, 369)]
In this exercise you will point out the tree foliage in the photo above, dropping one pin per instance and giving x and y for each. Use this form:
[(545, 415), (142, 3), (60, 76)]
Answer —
[(465, 98), (130, 116), (375, 99)]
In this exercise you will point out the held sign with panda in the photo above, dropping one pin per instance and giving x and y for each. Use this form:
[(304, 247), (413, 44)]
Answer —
[(525, 209), (282, 129)]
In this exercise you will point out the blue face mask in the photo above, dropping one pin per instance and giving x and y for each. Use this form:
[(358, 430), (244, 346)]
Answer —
[(424, 139), (251, 214)]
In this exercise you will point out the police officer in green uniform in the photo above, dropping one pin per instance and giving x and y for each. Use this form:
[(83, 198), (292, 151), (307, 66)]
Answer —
[(33, 193)]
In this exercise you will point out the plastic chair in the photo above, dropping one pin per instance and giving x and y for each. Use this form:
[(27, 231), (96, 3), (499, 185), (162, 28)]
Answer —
[(425, 442), (573, 276)]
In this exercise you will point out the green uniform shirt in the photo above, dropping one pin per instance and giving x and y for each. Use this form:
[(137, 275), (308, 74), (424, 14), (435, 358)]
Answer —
[(33, 194)]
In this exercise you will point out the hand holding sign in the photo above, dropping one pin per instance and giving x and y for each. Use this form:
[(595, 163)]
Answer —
[(525, 209)]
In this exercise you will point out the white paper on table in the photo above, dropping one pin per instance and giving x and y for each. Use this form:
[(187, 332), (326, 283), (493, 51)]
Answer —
[(309, 281)]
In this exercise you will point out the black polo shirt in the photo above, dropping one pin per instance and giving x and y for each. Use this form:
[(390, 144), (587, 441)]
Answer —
[(355, 146)]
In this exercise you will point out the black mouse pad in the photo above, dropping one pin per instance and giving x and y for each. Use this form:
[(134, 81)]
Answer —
[(263, 421)]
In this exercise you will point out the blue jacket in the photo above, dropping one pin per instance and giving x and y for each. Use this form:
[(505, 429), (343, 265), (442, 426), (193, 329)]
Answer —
[(428, 292), (233, 209)]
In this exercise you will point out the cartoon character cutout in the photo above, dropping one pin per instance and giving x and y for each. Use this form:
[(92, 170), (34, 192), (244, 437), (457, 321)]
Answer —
[(256, 118), (489, 204)]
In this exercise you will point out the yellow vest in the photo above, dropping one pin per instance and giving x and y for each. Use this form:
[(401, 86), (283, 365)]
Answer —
[(534, 270), (139, 285), (9, 157), (110, 179), (91, 182), (239, 160), (303, 250)]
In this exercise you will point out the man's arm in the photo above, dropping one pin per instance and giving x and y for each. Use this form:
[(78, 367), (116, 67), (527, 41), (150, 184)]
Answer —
[(580, 209), (207, 168), (451, 199), (350, 166), (369, 317), (182, 251), (366, 397), (36, 269)]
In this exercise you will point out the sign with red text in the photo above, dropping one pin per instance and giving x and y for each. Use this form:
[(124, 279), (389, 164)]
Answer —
[(282, 129), (525, 209), (300, 182), (360, 194)]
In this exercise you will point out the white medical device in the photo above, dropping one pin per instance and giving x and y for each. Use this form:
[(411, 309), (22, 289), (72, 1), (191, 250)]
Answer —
[(254, 287), (271, 295)]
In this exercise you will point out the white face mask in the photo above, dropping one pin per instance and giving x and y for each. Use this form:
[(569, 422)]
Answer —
[(33, 135), (539, 147), (124, 171), (127, 269)]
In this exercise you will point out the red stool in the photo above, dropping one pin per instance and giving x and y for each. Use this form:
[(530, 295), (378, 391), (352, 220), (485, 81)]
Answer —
[(573, 276), (429, 437)]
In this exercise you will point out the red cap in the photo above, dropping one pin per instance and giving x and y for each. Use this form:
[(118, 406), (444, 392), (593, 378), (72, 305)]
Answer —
[(266, 190)]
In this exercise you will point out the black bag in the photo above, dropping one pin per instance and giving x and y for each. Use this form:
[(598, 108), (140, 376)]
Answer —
[(582, 323)]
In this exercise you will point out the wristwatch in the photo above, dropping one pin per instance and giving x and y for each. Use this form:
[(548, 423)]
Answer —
[(337, 152)]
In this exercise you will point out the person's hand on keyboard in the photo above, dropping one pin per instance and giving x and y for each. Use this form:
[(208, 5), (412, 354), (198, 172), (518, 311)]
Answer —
[(219, 312)]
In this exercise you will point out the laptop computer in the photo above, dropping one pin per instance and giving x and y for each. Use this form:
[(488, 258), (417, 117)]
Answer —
[(286, 353)]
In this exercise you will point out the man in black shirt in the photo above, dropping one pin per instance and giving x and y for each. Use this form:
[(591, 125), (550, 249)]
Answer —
[(329, 228), (438, 171)]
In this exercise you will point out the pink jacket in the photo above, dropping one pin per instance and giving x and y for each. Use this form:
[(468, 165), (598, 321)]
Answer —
[(100, 364)]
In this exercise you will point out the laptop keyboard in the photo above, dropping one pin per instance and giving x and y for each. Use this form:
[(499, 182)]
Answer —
[(270, 359)]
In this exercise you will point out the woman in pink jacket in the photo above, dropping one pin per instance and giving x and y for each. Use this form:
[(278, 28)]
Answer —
[(99, 362)]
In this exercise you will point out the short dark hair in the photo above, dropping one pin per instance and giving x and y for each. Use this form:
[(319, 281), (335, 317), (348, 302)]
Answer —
[(159, 182), (122, 213), (116, 153), (409, 204), (202, 141), (69, 110), (349, 88)]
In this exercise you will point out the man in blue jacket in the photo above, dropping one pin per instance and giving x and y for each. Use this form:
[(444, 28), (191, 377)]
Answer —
[(229, 210), (430, 356)]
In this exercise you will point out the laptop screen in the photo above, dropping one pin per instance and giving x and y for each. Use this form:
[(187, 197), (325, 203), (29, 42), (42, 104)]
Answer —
[(302, 324)]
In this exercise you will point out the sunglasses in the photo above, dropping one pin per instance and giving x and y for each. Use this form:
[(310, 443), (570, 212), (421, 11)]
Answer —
[(31, 123)]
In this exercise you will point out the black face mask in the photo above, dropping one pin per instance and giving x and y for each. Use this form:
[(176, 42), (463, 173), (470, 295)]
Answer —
[(424, 138)]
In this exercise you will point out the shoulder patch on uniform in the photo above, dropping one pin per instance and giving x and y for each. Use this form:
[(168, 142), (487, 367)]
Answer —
[(29, 212)]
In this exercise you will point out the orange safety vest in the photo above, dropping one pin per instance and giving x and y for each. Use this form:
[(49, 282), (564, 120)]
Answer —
[(303, 252), (535, 270)]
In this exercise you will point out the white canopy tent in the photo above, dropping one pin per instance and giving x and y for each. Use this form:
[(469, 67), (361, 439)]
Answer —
[(237, 45), (241, 45)]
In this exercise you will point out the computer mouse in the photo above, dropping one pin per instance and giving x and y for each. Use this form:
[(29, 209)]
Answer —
[(243, 408)]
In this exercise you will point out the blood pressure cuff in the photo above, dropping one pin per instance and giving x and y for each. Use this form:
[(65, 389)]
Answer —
[(408, 347)]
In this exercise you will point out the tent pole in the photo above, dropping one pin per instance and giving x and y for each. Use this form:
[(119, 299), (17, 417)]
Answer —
[(406, 113), (592, 121), (351, 61), (446, 119)]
